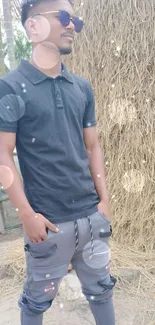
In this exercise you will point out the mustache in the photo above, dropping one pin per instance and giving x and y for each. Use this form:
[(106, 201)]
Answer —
[(68, 34)]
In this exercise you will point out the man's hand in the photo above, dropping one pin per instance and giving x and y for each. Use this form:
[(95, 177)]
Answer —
[(35, 226), (103, 208)]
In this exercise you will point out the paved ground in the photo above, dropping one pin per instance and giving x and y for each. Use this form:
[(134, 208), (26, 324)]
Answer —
[(71, 308)]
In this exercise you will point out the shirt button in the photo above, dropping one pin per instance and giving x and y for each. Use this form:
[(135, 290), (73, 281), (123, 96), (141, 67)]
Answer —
[(58, 96)]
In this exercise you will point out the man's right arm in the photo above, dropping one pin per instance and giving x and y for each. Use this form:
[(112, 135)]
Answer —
[(8, 131), (9, 176)]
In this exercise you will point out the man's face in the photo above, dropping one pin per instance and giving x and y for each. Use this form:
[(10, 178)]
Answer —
[(48, 28)]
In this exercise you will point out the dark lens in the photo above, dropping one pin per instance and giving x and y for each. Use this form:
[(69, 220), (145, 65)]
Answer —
[(64, 18), (78, 23)]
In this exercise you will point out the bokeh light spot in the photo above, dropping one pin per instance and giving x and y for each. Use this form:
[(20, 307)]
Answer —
[(47, 275), (61, 305), (122, 111), (118, 49), (46, 55), (44, 29), (12, 108), (89, 124), (100, 257), (6, 176), (133, 181), (92, 298)]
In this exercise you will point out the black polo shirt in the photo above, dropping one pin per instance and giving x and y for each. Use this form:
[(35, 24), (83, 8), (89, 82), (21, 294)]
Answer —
[(48, 116)]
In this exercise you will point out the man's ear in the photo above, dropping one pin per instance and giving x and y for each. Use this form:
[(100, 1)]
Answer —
[(31, 29)]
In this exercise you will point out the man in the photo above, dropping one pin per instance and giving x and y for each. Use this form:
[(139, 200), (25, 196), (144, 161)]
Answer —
[(48, 114)]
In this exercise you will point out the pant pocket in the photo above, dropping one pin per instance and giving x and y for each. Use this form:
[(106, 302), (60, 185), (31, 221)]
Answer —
[(103, 217), (101, 227), (42, 251), (45, 281)]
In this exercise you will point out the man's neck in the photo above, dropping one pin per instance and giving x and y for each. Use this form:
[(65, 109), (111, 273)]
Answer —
[(53, 72), (47, 59)]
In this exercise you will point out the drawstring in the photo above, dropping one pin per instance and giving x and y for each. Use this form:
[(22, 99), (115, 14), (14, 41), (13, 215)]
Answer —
[(92, 238), (77, 235)]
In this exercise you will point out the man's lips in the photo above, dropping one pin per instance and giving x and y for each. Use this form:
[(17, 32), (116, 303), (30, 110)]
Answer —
[(71, 36)]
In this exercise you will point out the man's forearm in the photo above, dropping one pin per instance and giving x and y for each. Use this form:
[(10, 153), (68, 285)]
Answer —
[(15, 191), (96, 161)]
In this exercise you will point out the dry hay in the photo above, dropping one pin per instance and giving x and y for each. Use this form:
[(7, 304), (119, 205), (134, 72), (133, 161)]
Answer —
[(12, 267), (134, 270), (116, 53)]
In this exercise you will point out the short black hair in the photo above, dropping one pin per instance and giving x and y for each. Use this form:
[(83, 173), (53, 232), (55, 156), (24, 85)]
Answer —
[(27, 5)]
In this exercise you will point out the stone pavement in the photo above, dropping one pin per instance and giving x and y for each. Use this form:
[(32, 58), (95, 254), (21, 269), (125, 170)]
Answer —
[(71, 308)]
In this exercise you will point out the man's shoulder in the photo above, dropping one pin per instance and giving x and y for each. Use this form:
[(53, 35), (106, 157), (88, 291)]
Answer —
[(83, 83), (9, 83), (79, 79), (7, 78), (5, 85)]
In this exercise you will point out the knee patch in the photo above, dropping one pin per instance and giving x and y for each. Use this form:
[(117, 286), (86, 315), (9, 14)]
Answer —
[(32, 307)]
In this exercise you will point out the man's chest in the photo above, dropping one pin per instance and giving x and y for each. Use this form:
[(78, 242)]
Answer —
[(55, 110)]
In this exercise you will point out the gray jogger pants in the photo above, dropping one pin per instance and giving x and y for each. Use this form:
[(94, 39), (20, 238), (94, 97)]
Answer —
[(84, 243)]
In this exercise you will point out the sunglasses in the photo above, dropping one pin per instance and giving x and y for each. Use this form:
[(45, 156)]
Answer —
[(65, 18)]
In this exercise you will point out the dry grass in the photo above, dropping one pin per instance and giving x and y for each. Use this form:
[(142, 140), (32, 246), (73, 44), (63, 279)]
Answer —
[(116, 53), (135, 271)]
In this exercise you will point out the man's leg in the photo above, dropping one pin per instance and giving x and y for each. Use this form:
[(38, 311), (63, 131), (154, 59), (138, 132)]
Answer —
[(47, 263), (103, 312), (91, 263), (30, 318)]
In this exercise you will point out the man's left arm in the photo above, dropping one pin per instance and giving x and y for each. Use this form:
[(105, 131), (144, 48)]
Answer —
[(96, 165), (95, 155)]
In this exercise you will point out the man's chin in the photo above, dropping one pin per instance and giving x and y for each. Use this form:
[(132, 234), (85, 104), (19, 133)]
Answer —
[(65, 51)]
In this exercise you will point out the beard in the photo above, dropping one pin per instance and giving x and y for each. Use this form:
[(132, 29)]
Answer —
[(65, 51)]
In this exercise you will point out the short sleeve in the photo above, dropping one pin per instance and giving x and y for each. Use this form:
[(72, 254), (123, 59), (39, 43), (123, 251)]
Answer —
[(9, 108), (89, 116)]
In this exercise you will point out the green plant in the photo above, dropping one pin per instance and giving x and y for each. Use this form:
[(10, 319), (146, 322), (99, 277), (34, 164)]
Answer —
[(22, 47)]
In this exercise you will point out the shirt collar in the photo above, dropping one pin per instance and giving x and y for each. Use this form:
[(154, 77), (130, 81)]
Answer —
[(66, 74), (35, 76)]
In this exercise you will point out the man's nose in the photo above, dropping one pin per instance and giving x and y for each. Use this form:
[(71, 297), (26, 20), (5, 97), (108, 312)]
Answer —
[(71, 27)]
